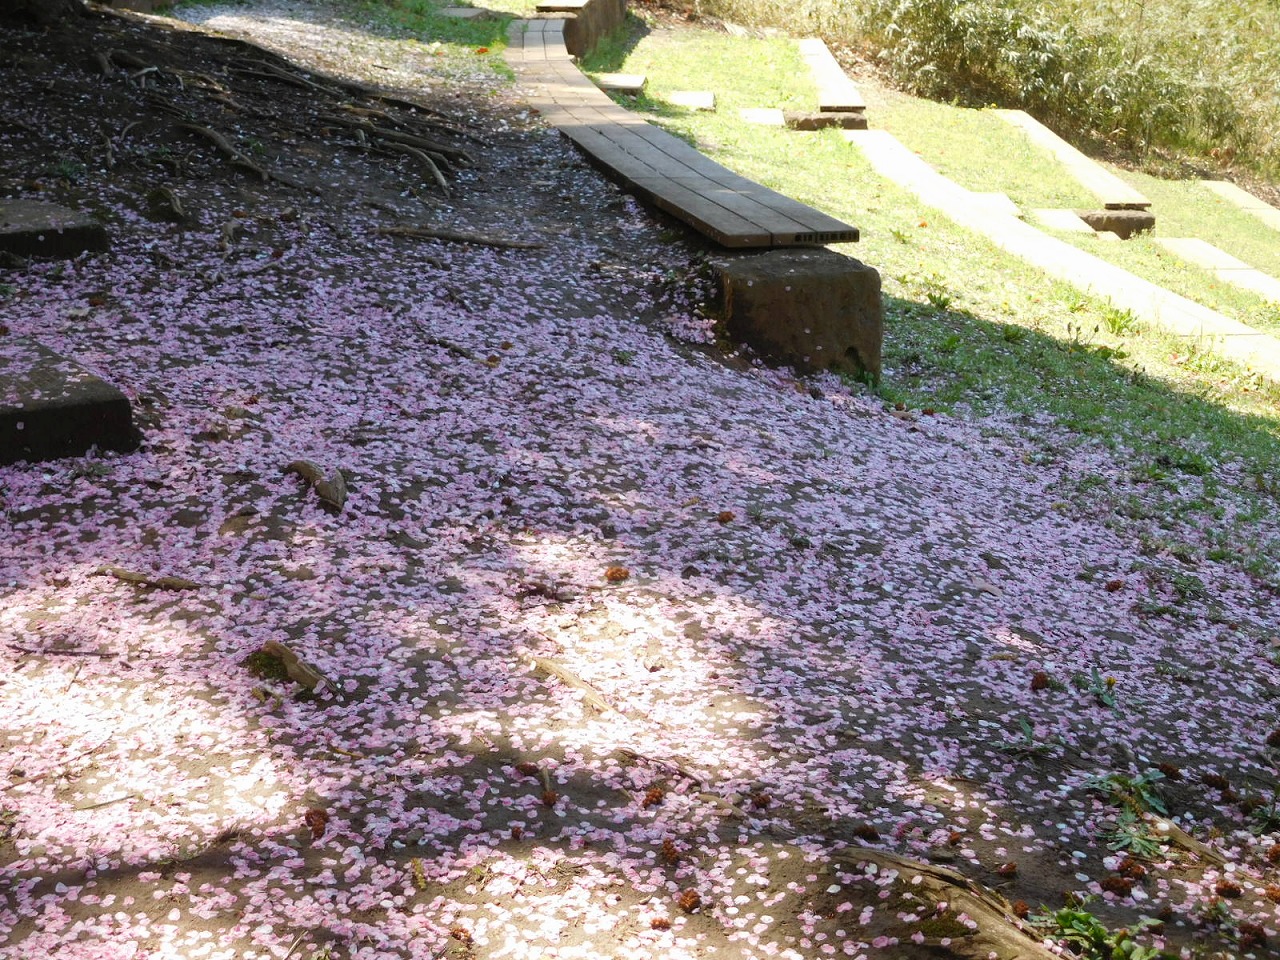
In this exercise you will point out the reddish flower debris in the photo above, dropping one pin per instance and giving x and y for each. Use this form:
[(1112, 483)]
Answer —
[(1272, 892), (1215, 780), (1228, 889), (1120, 886), (1113, 585), (724, 516), (652, 797), (316, 819), (659, 923), (1273, 739), (1273, 853), (527, 768), (1252, 935), (549, 798), (1020, 909), (1040, 680), (1170, 771), (690, 901), (461, 934), (865, 831), (760, 801), (617, 574), (1007, 869), (670, 855)]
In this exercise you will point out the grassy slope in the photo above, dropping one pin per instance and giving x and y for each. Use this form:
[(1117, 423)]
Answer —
[(968, 327)]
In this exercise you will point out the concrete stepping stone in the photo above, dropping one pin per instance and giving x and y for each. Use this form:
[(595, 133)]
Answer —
[(631, 84), (997, 202), (1114, 193), (765, 116), (703, 100), (1222, 265), (796, 120), (1245, 201), (1067, 221), (33, 228), (52, 407), (466, 13), (836, 92)]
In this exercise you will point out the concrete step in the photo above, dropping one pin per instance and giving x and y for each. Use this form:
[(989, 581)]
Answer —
[(52, 407)]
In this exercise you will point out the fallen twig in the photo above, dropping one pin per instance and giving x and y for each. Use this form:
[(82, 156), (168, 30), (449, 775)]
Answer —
[(454, 236), (62, 653), (300, 671), (590, 695)]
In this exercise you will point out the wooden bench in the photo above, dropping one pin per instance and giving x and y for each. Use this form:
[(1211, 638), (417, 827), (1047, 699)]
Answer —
[(659, 168)]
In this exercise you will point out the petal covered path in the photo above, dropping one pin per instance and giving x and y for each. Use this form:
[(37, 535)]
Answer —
[(630, 645)]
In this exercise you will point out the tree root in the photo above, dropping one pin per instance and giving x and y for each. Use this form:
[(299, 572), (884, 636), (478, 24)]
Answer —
[(454, 236), (998, 933), (224, 145), (424, 159), (590, 695), (146, 579), (332, 490)]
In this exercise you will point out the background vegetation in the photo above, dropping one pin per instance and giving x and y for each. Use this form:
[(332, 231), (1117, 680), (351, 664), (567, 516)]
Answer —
[(1190, 77)]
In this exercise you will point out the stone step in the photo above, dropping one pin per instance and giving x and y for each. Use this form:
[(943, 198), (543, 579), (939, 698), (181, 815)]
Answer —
[(1223, 266), (1245, 201), (51, 407), (33, 228), (630, 84), (703, 100), (1113, 192), (797, 120)]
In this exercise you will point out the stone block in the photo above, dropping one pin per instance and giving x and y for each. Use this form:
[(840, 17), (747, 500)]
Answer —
[(630, 84), (1123, 223), (812, 308), (703, 100), (848, 120), (32, 228), (466, 13), (51, 407)]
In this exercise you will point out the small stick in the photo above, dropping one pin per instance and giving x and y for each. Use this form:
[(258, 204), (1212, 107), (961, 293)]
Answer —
[(456, 236), (422, 158), (570, 679)]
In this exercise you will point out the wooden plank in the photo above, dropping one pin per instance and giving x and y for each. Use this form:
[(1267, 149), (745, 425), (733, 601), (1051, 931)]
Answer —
[(1114, 193), (703, 213)]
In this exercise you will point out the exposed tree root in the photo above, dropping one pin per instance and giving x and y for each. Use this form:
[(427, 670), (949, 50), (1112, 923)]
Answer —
[(590, 695), (146, 579)]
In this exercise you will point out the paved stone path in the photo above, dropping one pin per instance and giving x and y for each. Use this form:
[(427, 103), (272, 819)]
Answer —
[(1153, 304), (1245, 201), (1222, 265)]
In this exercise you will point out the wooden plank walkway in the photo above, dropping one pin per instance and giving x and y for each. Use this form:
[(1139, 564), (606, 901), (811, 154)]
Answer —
[(659, 168), (836, 92), (1114, 193)]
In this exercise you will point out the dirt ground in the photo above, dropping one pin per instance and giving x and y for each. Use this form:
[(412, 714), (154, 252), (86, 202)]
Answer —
[(618, 644)]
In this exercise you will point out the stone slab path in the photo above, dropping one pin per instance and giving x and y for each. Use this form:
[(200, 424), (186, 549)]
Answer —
[(836, 92), (1222, 265), (1113, 192), (1168, 311), (1245, 201), (661, 169)]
